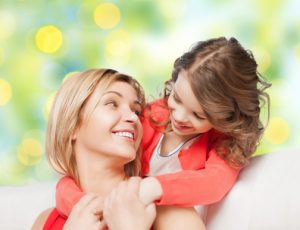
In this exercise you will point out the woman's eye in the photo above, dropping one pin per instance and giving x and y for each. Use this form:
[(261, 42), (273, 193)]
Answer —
[(137, 112), (112, 104)]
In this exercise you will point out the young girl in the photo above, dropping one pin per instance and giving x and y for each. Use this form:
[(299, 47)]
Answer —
[(203, 130)]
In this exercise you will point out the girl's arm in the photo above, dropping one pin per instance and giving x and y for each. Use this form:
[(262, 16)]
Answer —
[(67, 195), (192, 187)]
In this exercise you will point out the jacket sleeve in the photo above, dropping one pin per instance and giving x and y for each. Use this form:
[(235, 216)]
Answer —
[(198, 187), (67, 195)]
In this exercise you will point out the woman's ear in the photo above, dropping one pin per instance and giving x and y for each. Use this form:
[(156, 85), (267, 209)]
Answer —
[(74, 135)]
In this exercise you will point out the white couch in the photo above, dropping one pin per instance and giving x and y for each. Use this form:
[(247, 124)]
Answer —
[(266, 197)]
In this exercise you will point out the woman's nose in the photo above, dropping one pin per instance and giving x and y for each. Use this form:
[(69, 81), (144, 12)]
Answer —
[(131, 116)]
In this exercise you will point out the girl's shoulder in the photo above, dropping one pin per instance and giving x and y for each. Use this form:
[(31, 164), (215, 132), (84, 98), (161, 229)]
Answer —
[(158, 106), (156, 113)]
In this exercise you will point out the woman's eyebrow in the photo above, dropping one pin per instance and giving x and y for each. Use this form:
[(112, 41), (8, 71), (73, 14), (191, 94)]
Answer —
[(114, 92)]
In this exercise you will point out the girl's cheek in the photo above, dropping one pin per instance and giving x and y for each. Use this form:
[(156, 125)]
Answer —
[(171, 102)]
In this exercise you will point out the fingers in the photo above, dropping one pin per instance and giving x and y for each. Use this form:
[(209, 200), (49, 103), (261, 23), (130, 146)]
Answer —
[(95, 206), (90, 203), (133, 185), (84, 201), (125, 190)]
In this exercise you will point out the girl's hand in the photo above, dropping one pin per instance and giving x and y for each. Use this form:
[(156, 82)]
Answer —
[(123, 210), (86, 214), (150, 190)]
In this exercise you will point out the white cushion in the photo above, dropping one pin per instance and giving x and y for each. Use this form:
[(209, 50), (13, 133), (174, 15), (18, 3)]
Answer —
[(266, 196), (21, 205)]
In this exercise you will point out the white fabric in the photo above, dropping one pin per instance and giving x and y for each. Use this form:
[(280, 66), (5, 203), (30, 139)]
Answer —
[(169, 163), (164, 164), (21, 205), (266, 197)]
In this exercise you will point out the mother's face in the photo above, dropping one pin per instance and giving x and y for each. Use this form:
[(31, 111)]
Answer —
[(113, 129)]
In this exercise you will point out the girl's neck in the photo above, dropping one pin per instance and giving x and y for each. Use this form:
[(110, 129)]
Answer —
[(171, 141), (179, 138)]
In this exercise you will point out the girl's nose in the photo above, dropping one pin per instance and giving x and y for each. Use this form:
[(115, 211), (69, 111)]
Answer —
[(180, 115)]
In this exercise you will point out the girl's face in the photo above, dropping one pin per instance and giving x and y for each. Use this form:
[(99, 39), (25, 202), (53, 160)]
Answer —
[(187, 116), (113, 129)]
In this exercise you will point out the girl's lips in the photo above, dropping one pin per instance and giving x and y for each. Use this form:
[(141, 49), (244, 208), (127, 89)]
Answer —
[(179, 126)]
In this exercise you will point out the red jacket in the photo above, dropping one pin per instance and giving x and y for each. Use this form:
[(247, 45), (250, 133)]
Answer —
[(55, 221)]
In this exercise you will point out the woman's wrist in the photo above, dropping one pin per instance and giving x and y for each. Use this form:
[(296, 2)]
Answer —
[(150, 190)]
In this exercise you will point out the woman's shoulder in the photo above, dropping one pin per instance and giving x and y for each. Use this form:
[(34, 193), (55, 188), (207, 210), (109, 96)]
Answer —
[(41, 219)]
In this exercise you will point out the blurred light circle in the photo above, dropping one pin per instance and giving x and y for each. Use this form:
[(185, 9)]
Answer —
[(5, 92), (106, 15), (118, 46), (48, 39), (277, 131), (30, 152)]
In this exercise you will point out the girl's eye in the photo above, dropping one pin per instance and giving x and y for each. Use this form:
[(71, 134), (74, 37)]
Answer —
[(175, 98), (198, 117)]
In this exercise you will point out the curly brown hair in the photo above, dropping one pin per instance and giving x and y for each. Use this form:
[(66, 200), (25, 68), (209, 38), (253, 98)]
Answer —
[(224, 78)]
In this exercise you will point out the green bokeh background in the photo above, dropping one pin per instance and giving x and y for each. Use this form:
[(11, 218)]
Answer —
[(144, 43)]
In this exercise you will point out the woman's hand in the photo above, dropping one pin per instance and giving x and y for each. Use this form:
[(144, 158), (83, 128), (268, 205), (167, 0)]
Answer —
[(86, 214), (123, 210)]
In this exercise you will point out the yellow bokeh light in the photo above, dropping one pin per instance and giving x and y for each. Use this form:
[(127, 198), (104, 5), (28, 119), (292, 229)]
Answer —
[(5, 92), (277, 131), (29, 152), (48, 39), (118, 46), (107, 15)]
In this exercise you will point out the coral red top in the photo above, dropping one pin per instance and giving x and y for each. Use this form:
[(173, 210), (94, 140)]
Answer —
[(55, 221)]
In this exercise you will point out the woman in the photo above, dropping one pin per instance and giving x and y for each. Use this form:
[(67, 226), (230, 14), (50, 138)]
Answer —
[(93, 136)]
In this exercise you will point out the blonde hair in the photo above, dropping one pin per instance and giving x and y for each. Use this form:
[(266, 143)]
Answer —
[(66, 116)]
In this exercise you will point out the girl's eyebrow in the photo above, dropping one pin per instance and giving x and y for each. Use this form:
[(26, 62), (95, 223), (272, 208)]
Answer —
[(136, 102), (200, 114)]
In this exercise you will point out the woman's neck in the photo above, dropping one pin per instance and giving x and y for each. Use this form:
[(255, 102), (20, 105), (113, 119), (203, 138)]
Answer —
[(99, 174), (101, 183)]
